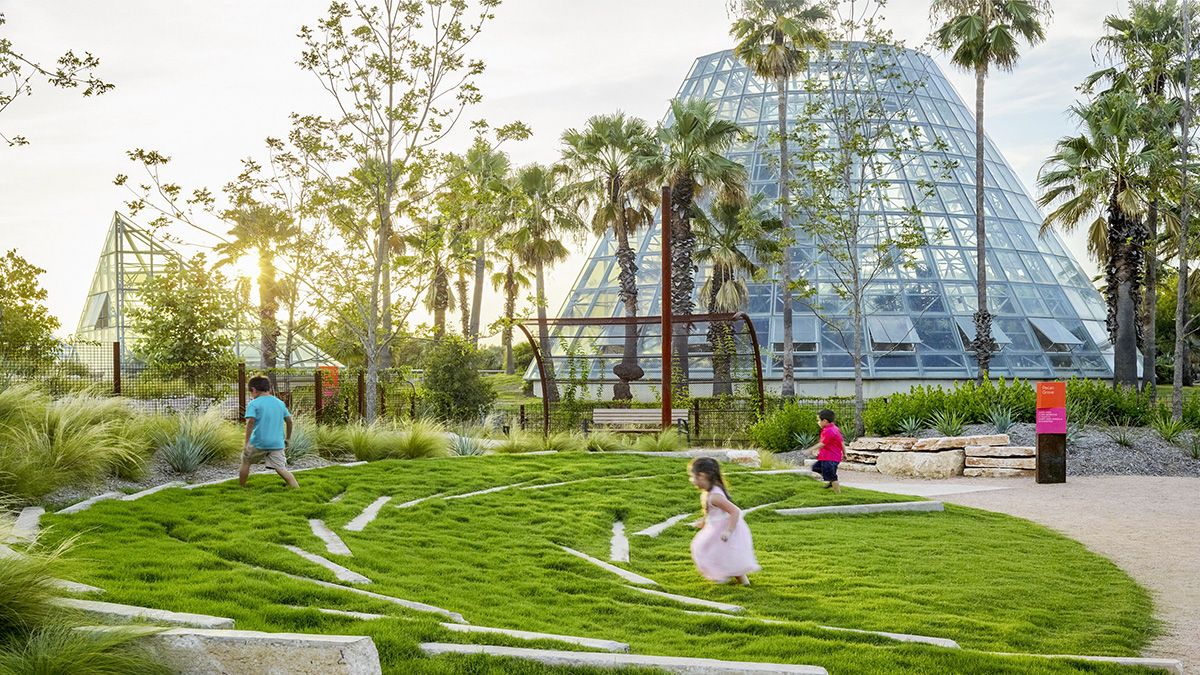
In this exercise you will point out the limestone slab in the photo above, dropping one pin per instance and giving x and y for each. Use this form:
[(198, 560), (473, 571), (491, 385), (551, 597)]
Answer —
[(241, 652), (749, 458), (87, 503), (921, 464), (129, 613), (74, 586), (998, 473), (859, 466), (886, 443), (624, 574), (856, 509), (752, 509), (698, 602), (157, 488), (899, 637), (619, 545), (999, 451), (414, 502), (333, 543), (26, 527), (484, 492), (338, 497), (549, 485), (606, 645), (670, 664), (952, 442), (407, 604), (1002, 462), (368, 515), (655, 530), (340, 572), (362, 616), (349, 464), (1172, 666), (862, 457)]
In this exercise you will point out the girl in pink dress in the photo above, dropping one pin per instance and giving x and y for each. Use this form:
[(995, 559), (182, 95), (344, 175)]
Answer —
[(723, 549)]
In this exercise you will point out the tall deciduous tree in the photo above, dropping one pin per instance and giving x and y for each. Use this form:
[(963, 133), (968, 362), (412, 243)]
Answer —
[(981, 35), (19, 71), (693, 163), (604, 159), (26, 326), (773, 39)]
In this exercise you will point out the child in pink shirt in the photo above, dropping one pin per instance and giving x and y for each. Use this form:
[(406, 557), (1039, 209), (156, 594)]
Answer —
[(829, 450)]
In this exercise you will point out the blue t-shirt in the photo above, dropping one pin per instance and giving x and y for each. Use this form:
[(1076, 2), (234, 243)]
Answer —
[(268, 413)]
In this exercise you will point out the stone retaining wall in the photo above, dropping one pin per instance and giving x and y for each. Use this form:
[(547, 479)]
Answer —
[(989, 456)]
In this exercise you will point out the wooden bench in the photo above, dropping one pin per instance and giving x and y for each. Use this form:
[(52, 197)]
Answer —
[(636, 420)]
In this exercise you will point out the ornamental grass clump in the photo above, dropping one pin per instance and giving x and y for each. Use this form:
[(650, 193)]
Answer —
[(1121, 435), (605, 441), (383, 440), (303, 440), (947, 422), (1170, 429), (667, 440), (518, 442)]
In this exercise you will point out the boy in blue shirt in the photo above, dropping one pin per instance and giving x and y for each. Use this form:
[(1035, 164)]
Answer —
[(268, 432)]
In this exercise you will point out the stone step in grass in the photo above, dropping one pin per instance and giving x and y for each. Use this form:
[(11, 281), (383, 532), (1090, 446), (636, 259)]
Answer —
[(485, 492), (697, 602), (655, 530), (61, 584), (114, 612), (157, 488), (87, 503), (1172, 666), (342, 574), (624, 574), (27, 525), (407, 604), (333, 543), (190, 651), (752, 509), (361, 616), (899, 637), (619, 545), (853, 509), (593, 643), (670, 664), (414, 502), (363, 519)]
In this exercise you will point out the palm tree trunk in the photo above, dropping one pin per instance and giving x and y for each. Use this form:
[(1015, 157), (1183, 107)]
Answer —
[(477, 291), (1150, 306), (628, 369), (268, 305), (441, 301), (683, 280), (1127, 241), (510, 310), (1181, 297), (720, 335), (785, 272), (464, 308), (983, 318), (385, 260), (551, 392)]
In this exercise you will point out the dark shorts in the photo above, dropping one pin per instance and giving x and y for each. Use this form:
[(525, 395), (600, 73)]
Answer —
[(827, 469)]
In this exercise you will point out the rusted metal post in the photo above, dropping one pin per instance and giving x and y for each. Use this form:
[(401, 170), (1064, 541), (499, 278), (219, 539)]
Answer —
[(381, 395), (362, 395), (242, 391), (696, 413), (522, 417), (412, 406), (666, 307), (318, 394), (116, 369)]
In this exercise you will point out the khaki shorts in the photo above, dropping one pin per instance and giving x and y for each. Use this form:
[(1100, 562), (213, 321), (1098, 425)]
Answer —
[(276, 459)]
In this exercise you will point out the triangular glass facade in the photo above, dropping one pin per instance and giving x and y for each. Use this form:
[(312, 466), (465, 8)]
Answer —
[(1049, 317), (130, 256)]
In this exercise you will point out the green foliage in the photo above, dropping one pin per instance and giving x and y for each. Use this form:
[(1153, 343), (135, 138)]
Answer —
[(465, 446), (911, 426), (1121, 435), (667, 440), (384, 440), (26, 326), (1002, 419), (304, 440), (973, 403), (1193, 446), (947, 422), (185, 313), (517, 442), (1098, 399), (453, 386), (806, 439), (778, 431), (564, 441), (1170, 429), (195, 440), (603, 441)]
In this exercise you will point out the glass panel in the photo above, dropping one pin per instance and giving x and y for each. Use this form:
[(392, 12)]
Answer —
[(950, 264), (938, 334), (751, 110), (924, 297), (1030, 299)]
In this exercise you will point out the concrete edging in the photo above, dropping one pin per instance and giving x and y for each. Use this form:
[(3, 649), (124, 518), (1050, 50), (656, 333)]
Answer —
[(624, 574), (852, 509), (130, 613), (670, 664), (594, 643)]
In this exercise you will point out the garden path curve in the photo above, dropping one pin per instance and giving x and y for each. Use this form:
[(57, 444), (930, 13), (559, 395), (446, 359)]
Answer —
[(1145, 524)]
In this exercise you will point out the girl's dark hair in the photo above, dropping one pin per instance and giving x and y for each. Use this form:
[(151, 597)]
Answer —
[(709, 467)]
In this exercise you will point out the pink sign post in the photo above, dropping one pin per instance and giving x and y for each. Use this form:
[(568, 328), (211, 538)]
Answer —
[(1051, 432)]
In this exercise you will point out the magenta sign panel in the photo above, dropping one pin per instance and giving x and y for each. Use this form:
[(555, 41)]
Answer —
[(1052, 420)]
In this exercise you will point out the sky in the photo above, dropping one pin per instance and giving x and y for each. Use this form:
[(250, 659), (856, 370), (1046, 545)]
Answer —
[(206, 82)]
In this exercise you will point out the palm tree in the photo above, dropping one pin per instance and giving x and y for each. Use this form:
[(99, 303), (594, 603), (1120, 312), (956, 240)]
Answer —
[(604, 160), (1147, 47), (773, 36), (264, 230), (693, 164), (982, 34), (550, 211), (486, 170), (1099, 173), (510, 282), (735, 238)]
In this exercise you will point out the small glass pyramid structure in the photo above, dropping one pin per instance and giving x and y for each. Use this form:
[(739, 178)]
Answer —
[(130, 256), (1050, 319)]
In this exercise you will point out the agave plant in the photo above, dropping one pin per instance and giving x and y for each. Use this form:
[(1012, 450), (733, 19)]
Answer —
[(947, 422), (465, 446), (804, 439), (303, 442), (911, 426), (1001, 418)]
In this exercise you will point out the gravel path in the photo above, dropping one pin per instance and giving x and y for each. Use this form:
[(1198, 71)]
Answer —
[(1145, 524)]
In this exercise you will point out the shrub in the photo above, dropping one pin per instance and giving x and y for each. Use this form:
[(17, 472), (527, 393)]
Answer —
[(1099, 402), (667, 440), (973, 403), (563, 441), (778, 432), (304, 442), (196, 440), (453, 387), (465, 446), (381, 440), (947, 422)]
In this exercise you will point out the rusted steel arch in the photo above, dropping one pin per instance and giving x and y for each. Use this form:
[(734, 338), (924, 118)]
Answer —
[(737, 317)]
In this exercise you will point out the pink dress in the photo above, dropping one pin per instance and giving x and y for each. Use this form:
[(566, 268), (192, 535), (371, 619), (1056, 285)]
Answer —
[(718, 560)]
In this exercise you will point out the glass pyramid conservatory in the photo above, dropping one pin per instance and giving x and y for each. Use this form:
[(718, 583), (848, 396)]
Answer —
[(1049, 317)]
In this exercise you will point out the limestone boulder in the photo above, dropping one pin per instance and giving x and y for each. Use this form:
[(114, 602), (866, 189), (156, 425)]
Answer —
[(953, 442), (861, 456), (745, 457), (856, 466), (997, 473), (1000, 451), (922, 464), (1029, 463), (190, 651), (888, 444)]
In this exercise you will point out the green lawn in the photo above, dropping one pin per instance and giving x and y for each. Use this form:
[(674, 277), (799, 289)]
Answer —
[(990, 582)]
